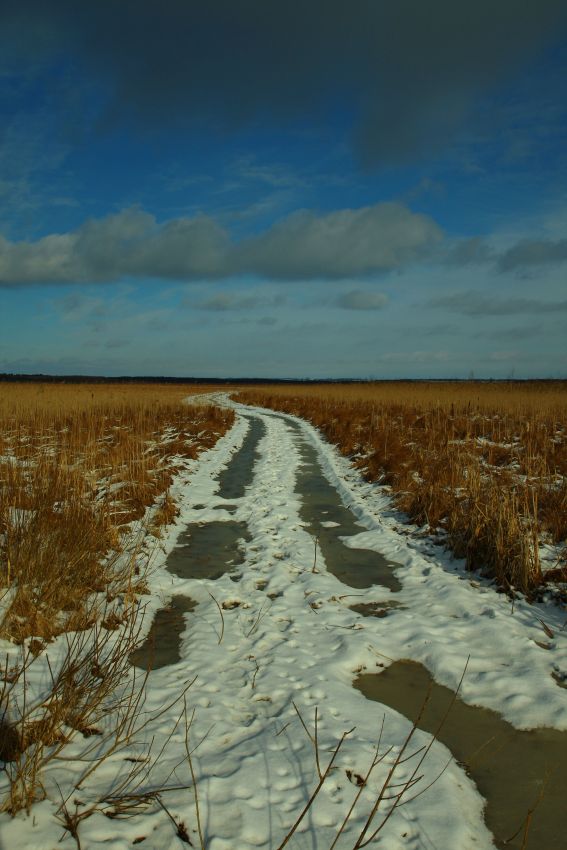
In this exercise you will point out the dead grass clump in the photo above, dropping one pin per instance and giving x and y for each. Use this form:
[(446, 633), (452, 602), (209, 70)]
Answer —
[(483, 463), (83, 687), (164, 514)]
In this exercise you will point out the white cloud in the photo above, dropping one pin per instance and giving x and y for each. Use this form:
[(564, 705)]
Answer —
[(340, 244), (303, 246)]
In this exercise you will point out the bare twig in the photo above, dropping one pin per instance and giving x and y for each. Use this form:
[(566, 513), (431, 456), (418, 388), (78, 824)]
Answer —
[(193, 777), (221, 634)]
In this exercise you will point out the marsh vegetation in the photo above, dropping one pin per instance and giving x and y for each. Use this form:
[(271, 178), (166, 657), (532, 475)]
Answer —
[(482, 464), (85, 473)]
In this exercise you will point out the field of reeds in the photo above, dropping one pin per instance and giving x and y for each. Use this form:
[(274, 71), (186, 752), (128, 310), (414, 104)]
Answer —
[(85, 472), (79, 464), (481, 464)]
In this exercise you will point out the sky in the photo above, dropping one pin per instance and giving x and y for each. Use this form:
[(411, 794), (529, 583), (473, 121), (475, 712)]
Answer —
[(371, 189)]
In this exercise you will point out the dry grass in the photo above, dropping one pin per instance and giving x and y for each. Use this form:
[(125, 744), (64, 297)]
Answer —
[(485, 464), (85, 472), (78, 465)]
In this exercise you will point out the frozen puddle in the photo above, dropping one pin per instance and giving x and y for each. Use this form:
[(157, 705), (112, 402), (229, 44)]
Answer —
[(161, 646), (203, 551), (328, 520), (209, 550), (238, 475), (374, 609), (512, 769)]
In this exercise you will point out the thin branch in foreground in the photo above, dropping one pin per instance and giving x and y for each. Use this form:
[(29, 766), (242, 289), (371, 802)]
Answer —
[(221, 634), (188, 724), (311, 800)]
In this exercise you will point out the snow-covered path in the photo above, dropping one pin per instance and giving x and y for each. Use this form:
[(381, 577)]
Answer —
[(287, 636)]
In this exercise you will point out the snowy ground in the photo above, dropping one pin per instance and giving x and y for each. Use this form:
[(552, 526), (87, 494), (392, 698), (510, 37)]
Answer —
[(288, 636)]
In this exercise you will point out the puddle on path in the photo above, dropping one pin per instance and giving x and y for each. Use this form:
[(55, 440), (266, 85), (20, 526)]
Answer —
[(239, 473), (374, 609), (208, 551), (320, 504), (161, 646), (508, 766)]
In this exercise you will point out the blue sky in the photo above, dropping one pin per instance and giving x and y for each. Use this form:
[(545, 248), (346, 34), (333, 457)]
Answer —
[(284, 190)]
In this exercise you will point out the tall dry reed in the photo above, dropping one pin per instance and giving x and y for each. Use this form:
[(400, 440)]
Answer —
[(85, 472), (485, 464), (79, 464)]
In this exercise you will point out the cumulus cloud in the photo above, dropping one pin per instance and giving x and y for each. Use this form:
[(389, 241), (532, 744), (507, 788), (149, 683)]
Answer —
[(339, 244), (359, 299), (483, 304), (533, 252), (407, 70), (302, 246), (129, 243), (525, 254)]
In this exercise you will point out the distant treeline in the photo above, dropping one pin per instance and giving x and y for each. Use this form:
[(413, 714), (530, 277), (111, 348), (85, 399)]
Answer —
[(8, 377), (129, 379)]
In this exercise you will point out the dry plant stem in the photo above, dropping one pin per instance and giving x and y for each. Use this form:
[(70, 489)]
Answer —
[(388, 784), (180, 830), (193, 777), (256, 671), (130, 723), (123, 804), (311, 800), (71, 821), (147, 763), (125, 797), (316, 741), (398, 798), (526, 823), (375, 761), (221, 633), (361, 842), (526, 830), (257, 620), (313, 738)]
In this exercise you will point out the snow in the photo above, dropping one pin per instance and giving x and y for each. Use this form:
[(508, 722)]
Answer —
[(288, 636)]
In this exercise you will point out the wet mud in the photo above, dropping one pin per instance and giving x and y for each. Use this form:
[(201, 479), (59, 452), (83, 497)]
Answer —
[(321, 504), (209, 550), (161, 646), (514, 770), (374, 609), (235, 479)]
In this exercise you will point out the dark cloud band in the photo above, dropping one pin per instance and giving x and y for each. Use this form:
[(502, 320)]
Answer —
[(406, 71)]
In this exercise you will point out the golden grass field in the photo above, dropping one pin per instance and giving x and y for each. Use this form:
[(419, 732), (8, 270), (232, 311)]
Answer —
[(85, 471), (483, 463), (79, 463)]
